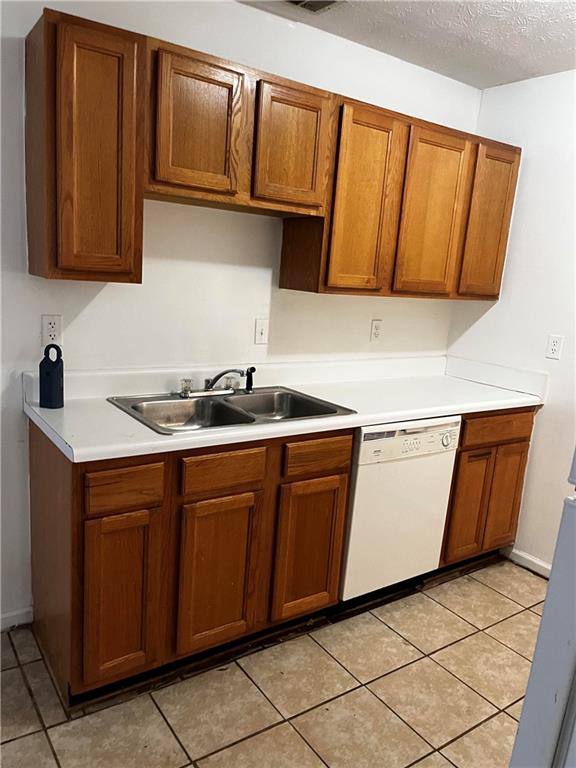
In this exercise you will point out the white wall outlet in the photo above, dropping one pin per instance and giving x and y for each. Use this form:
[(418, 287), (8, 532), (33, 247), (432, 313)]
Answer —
[(51, 327), (376, 330), (261, 330), (554, 347)]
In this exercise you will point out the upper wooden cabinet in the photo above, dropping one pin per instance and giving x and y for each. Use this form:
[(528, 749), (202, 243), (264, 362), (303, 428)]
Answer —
[(489, 222), (292, 144), (369, 179), (434, 211), (390, 205), (199, 123), (84, 150)]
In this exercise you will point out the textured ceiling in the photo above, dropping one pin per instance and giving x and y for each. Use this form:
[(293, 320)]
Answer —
[(480, 43)]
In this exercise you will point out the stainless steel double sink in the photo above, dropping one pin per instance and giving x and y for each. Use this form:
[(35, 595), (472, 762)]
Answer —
[(171, 414)]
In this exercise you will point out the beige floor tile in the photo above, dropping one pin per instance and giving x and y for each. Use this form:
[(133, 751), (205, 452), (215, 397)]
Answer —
[(473, 601), (516, 583), (8, 657), (44, 693), (365, 646), (519, 632), (297, 675), (215, 709), (516, 709), (18, 714), (30, 752), (437, 705), (487, 666), (433, 761), (538, 608), (25, 644), (280, 747), (358, 731), (490, 745), (423, 622), (131, 735)]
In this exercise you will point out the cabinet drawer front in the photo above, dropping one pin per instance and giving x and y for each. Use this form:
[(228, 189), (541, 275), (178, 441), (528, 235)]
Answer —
[(116, 490), (310, 457), (221, 471), (490, 430)]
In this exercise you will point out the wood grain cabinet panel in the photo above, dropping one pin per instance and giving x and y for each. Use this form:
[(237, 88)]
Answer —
[(199, 122), (309, 545), (228, 470), (121, 606), (99, 195), (469, 505), (497, 428), (489, 222), (505, 495), (313, 457), (292, 144), (116, 490), (217, 568), (369, 180), (434, 211)]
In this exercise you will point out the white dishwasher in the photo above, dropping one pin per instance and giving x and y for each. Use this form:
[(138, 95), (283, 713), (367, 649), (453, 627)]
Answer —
[(402, 477)]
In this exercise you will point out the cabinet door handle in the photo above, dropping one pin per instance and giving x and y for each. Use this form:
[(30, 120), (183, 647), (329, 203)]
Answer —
[(478, 456)]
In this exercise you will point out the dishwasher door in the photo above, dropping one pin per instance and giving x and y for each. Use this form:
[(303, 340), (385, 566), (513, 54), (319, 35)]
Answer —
[(399, 508)]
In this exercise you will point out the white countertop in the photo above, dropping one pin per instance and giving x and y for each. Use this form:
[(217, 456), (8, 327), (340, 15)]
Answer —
[(90, 428)]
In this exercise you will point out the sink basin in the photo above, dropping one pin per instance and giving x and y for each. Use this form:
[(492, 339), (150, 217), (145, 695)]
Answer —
[(282, 404), (170, 414)]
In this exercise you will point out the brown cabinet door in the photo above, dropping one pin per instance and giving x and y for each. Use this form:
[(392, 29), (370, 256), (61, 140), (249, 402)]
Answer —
[(292, 144), (121, 577), (199, 123), (434, 211), (505, 495), (469, 504), (369, 181), (309, 545), (489, 222), (98, 156), (218, 563)]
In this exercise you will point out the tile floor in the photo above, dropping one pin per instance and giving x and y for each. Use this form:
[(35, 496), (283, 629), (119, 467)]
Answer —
[(432, 680)]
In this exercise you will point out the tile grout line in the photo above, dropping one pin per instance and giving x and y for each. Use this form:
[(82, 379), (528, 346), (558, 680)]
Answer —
[(191, 762)]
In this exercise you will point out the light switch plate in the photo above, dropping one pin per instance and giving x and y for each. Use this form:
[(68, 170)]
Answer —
[(261, 330)]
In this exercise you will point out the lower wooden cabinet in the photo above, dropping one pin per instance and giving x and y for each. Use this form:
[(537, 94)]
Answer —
[(311, 523), (218, 563), (121, 590), (487, 487)]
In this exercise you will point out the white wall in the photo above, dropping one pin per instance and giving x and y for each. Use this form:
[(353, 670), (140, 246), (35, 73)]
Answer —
[(207, 273), (539, 284)]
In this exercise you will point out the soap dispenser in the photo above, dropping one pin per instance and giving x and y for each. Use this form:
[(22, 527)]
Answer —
[(52, 378)]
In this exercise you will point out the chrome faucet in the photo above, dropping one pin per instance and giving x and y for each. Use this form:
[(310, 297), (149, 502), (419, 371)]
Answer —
[(209, 384)]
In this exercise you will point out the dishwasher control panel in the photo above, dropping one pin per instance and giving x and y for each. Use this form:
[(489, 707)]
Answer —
[(389, 444)]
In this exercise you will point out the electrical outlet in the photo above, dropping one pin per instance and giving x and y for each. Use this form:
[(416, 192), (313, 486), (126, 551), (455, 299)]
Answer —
[(376, 330), (261, 330), (554, 347), (51, 326)]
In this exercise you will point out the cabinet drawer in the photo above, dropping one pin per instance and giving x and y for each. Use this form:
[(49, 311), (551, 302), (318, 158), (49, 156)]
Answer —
[(489, 430), (311, 457), (222, 471), (117, 490)]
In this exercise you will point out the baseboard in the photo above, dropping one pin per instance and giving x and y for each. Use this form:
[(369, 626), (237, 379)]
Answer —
[(15, 618), (530, 562)]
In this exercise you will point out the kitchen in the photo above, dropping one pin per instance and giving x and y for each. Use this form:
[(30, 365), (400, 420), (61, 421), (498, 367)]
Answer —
[(216, 283)]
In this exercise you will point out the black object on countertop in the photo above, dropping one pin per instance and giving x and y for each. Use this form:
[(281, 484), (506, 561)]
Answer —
[(52, 378)]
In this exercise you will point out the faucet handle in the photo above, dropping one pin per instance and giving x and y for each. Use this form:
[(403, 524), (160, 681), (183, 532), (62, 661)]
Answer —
[(186, 386)]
